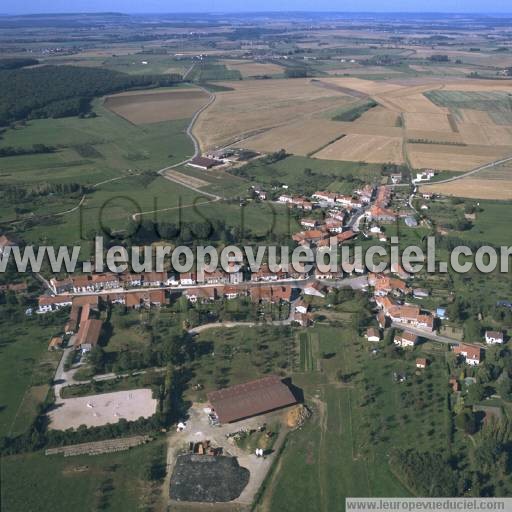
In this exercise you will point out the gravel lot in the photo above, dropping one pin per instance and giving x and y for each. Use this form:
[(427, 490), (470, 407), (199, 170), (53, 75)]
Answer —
[(97, 410)]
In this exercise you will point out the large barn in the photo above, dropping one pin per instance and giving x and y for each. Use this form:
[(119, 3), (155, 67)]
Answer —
[(250, 399)]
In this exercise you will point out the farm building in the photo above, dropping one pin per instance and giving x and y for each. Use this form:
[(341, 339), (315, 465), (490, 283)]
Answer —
[(251, 399), (203, 163)]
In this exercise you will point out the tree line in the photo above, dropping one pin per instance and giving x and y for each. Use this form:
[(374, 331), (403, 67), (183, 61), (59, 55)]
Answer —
[(60, 91)]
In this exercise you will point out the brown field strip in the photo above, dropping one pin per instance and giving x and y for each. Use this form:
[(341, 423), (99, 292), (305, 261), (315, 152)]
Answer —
[(154, 106), (187, 179)]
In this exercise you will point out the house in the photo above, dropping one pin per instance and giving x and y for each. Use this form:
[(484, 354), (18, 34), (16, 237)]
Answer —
[(411, 222), (406, 339), (232, 292), (105, 281), (204, 294), (303, 319), (327, 197), (309, 223), (397, 269), (154, 278), (493, 337), (55, 343), (7, 241), (204, 163), (441, 313), (315, 289), (386, 285), (381, 214), (425, 175), (470, 353), (420, 293), (49, 303), (284, 198), (116, 298), (373, 334), (421, 363), (396, 178), (188, 279), (131, 280), (301, 307), (146, 299), (61, 285), (88, 335)]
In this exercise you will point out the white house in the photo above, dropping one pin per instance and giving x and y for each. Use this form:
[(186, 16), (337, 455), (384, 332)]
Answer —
[(406, 339), (493, 337), (373, 334)]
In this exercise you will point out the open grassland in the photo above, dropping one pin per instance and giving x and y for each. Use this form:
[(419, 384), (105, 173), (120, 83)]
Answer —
[(114, 482), (293, 171), (492, 183), (249, 68), (255, 105), (364, 148), (157, 106), (26, 369), (491, 225), (88, 152), (145, 64)]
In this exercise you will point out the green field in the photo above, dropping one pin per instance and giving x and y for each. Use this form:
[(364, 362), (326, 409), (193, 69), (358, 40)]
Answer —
[(494, 101), (26, 369), (491, 224), (306, 175), (114, 482), (308, 344), (89, 151), (209, 72)]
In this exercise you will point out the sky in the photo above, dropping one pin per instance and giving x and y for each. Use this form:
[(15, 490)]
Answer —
[(169, 6)]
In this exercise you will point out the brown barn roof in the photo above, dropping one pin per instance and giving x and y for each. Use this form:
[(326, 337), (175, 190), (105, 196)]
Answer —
[(250, 399)]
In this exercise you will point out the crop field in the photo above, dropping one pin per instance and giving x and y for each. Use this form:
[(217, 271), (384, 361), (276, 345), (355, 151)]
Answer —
[(254, 105), (435, 122), (299, 138), (496, 101), (249, 68), (157, 106), (308, 344), (364, 148), (187, 179), (493, 183), (454, 158)]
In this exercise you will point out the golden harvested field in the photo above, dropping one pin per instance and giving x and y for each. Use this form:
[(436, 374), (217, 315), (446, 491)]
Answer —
[(300, 138), (494, 183), (434, 122), (364, 148), (249, 68), (454, 158), (255, 105), (157, 106), (379, 116), (486, 134)]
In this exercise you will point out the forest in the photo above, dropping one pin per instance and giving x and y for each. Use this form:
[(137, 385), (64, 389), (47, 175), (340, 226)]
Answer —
[(61, 91)]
